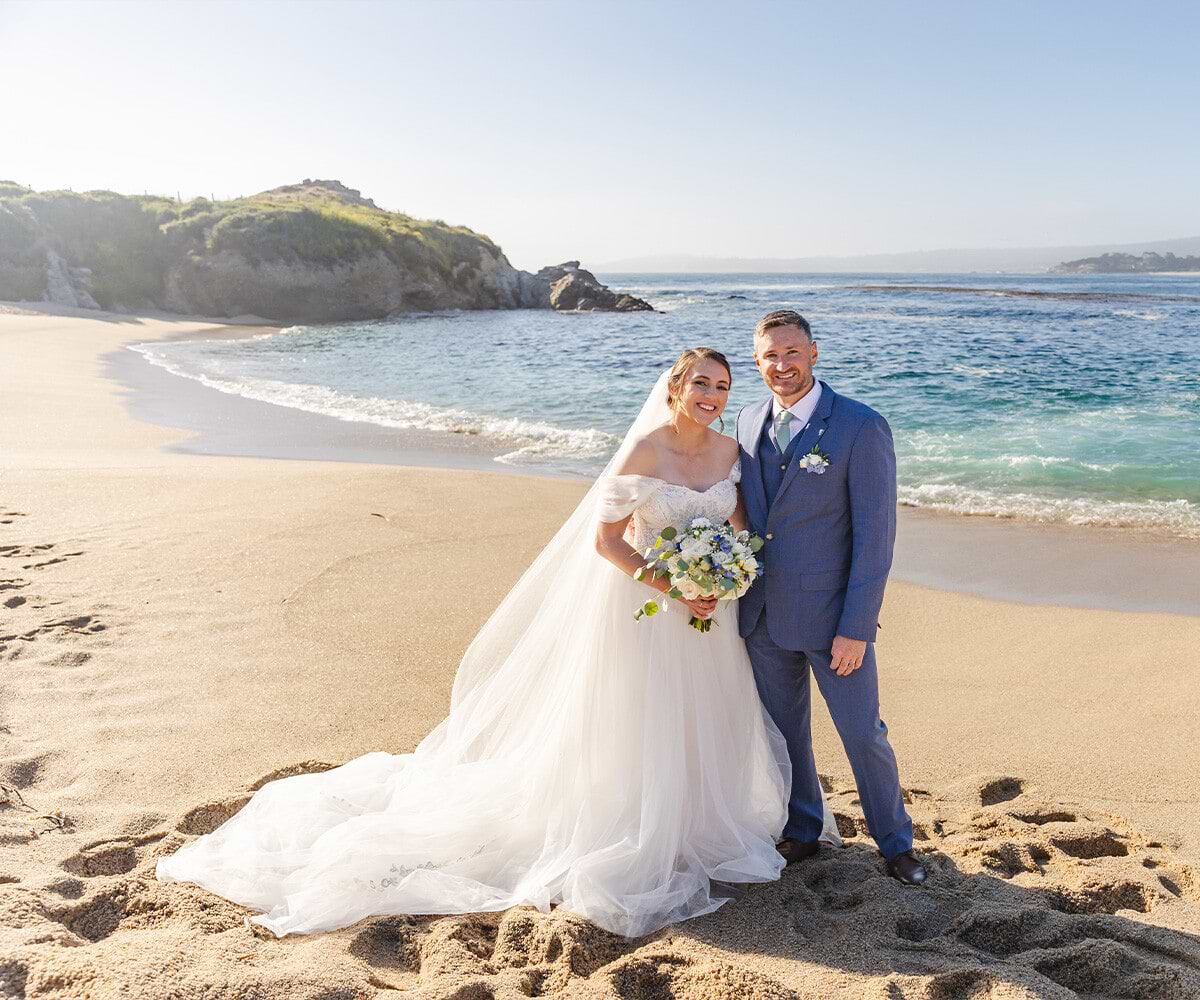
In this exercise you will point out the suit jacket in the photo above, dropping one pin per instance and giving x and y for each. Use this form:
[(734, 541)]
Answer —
[(829, 537)]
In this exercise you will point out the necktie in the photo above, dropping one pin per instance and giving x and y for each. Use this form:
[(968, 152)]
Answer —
[(783, 433)]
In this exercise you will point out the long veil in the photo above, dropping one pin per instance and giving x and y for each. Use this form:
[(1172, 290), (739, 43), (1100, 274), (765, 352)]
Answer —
[(556, 585)]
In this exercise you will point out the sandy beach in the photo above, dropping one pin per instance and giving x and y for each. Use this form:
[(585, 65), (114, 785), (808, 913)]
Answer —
[(180, 623)]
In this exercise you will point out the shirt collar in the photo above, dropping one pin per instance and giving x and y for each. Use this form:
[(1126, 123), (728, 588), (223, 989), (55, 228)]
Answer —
[(803, 408)]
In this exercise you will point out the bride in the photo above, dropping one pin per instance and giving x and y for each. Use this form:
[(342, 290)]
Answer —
[(615, 767)]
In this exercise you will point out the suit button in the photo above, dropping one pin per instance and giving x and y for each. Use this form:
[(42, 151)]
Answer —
[(769, 536), (784, 466)]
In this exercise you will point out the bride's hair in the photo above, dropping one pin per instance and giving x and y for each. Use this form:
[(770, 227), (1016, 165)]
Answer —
[(688, 360)]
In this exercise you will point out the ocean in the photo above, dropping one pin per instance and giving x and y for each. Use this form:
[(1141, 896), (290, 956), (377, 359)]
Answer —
[(1060, 398)]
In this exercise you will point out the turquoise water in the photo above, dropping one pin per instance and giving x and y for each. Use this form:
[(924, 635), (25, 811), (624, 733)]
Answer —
[(1071, 399)]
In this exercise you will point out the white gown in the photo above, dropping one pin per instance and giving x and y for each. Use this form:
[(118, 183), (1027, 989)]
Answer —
[(614, 767)]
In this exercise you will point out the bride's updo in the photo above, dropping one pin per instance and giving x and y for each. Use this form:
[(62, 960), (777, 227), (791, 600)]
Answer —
[(682, 368)]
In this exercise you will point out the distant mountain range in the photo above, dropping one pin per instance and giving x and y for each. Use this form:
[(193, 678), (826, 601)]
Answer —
[(1018, 260)]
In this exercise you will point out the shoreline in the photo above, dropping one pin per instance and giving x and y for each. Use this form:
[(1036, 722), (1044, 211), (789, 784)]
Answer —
[(1002, 558)]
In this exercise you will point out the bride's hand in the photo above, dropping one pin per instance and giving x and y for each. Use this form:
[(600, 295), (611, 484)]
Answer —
[(701, 607)]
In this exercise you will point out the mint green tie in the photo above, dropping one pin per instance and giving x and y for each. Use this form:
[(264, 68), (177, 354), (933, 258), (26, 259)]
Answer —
[(783, 433)]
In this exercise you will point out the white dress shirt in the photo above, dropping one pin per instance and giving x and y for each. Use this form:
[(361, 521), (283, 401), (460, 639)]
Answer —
[(802, 411)]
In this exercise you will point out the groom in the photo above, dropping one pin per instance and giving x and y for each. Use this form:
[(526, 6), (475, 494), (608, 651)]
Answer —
[(819, 481)]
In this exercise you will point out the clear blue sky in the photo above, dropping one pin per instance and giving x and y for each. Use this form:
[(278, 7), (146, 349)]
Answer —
[(609, 129)]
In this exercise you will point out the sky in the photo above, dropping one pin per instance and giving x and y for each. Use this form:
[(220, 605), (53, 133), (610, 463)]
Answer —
[(608, 130)]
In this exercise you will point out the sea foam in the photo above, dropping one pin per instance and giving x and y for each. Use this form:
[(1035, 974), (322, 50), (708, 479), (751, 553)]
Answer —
[(525, 442)]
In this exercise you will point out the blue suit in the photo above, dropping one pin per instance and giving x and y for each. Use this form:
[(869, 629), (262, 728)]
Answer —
[(829, 540)]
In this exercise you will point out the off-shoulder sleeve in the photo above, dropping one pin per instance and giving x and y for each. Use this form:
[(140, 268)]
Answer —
[(620, 496)]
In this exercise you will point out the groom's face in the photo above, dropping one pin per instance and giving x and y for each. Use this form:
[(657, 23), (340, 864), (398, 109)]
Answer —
[(785, 357)]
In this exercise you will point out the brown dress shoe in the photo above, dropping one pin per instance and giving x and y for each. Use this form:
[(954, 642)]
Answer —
[(907, 869), (797, 850)]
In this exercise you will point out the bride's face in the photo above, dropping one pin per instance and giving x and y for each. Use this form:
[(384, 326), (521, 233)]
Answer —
[(704, 392)]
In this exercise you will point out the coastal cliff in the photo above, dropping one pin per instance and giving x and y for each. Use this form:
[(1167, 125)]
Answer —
[(316, 251)]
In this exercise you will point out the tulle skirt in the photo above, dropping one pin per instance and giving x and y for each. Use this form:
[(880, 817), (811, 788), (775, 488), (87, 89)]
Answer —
[(616, 768)]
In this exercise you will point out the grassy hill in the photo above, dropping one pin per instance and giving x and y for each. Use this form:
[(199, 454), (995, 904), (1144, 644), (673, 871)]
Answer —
[(309, 251)]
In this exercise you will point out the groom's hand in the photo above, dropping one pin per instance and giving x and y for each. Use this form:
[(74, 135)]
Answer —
[(847, 655)]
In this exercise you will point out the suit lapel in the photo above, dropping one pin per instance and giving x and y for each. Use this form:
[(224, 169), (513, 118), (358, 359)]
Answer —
[(808, 437), (750, 431)]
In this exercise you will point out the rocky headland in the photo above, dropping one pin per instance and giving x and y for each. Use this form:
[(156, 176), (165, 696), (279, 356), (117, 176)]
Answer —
[(1128, 263), (316, 251)]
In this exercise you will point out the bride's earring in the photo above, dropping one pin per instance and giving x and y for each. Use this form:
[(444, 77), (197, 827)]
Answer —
[(722, 420)]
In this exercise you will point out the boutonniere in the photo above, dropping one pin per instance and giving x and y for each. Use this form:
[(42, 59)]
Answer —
[(815, 460)]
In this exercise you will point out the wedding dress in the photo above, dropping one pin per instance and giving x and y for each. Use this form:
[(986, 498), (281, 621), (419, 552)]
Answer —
[(617, 768)]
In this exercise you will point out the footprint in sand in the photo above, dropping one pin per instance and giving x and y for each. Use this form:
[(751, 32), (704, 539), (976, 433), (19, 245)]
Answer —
[(57, 628), (52, 562), (73, 659), (288, 770), (1027, 899), (208, 816), (521, 951), (24, 551), (106, 858), (23, 772), (17, 551)]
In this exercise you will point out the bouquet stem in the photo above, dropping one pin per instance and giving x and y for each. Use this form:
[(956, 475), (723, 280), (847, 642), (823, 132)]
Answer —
[(701, 624)]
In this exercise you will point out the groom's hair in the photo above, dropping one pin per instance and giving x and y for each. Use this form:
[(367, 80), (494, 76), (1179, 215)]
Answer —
[(782, 317)]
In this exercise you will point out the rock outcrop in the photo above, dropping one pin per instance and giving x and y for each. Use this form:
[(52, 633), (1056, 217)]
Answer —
[(316, 251), (571, 287), (68, 286)]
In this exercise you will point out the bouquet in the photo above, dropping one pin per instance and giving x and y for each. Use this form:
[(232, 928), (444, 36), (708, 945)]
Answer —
[(703, 560)]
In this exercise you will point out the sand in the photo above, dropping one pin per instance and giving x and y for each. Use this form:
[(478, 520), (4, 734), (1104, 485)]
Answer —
[(177, 628)]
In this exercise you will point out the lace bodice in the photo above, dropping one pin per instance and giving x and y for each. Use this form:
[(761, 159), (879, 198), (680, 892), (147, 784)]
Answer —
[(674, 505)]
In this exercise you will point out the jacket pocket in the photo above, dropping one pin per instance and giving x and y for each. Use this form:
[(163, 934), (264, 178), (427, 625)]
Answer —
[(825, 581)]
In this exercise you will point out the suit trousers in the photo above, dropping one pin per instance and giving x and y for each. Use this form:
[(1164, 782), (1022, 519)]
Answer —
[(783, 685)]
